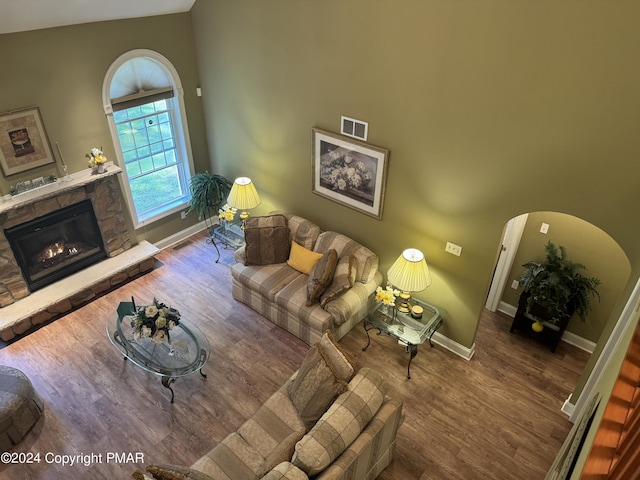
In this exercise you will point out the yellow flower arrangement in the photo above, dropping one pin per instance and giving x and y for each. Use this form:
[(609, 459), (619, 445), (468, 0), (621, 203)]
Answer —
[(387, 295), (96, 156), (227, 213)]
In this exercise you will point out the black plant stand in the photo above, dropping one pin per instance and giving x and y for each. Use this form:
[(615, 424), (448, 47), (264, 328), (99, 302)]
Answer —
[(551, 333)]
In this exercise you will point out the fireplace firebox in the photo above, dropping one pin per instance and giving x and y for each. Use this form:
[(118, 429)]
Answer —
[(56, 245)]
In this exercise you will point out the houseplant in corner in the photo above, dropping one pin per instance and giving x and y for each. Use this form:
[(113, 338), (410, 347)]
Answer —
[(208, 193), (555, 289)]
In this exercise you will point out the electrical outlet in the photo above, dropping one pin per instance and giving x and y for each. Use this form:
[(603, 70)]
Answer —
[(544, 228), (515, 284), (183, 215), (453, 249)]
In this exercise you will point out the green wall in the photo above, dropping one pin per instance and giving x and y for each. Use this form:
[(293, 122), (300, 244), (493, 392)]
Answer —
[(490, 109), (584, 244), (61, 70)]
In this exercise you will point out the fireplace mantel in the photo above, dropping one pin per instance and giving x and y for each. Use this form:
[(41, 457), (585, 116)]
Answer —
[(22, 310), (78, 179), (103, 191)]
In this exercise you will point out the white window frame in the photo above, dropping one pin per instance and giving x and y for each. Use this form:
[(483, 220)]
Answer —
[(183, 142)]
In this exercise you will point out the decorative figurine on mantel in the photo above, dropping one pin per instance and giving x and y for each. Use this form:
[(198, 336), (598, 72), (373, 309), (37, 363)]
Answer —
[(97, 159)]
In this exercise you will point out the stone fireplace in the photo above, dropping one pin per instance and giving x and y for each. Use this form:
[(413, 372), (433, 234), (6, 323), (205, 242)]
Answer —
[(56, 245), (55, 233)]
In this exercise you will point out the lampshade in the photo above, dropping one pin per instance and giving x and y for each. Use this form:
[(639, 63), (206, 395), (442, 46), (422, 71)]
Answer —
[(243, 195), (410, 272)]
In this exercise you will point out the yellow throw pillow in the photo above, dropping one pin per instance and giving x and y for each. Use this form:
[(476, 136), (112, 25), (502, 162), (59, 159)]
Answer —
[(302, 259)]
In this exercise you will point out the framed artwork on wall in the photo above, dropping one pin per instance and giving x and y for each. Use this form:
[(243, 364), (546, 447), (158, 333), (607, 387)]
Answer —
[(23, 141), (349, 172)]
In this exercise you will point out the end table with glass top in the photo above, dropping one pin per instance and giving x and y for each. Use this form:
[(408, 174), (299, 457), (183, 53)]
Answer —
[(228, 233), (186, 353), (410, 331)]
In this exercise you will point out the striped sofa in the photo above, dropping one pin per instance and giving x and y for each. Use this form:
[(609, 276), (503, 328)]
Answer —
[(279, 292), (327, 422)]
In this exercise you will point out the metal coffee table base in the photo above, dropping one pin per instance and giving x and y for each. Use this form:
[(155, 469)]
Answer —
[(167, 381)]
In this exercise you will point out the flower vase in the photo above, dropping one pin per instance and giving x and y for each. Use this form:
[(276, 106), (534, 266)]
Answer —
[(537, 326), (101, 168)]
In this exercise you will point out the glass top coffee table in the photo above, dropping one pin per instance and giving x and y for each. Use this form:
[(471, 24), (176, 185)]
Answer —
[(186, 353), (408, 330)]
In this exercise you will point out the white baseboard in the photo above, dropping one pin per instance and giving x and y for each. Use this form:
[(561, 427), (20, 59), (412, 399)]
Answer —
[(568, 407), (181, 235), (454, 347), (568, 337), (507, 309)]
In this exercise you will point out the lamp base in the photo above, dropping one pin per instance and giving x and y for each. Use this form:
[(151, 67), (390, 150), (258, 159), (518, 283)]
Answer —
[(404, 306)]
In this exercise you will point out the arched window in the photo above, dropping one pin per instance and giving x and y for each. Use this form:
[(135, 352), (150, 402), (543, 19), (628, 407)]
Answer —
[(143, 100)]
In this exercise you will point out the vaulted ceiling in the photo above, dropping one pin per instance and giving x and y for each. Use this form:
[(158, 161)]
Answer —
[(23, 15)]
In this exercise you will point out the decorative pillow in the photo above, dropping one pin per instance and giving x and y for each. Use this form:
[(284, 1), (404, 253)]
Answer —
[(267, 240), (285, 471), (341, 424), (338, 361), (321, 276), (174, 472), (314, 387), (343, 280), (303, 232), (303, 259)]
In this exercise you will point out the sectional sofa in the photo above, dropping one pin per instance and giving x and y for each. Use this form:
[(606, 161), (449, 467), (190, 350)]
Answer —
[(327, 422)]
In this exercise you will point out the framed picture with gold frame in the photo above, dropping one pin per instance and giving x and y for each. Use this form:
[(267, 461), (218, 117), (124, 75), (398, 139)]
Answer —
[(23, 141), (350, 172)]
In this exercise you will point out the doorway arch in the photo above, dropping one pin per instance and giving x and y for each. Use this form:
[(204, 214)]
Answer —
[(562, 228)]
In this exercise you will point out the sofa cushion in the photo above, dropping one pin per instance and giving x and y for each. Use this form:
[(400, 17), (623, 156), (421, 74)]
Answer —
[(321, 276), (374, 448), (283, 451), (267, 240), (303, 259), (273, 424), (294, 314), (267, 280), (175, 472), (314, 387), (232, 459), (366, 260), (343, 279), (285, 471), (340, 364), (342, 423), (302, 231)]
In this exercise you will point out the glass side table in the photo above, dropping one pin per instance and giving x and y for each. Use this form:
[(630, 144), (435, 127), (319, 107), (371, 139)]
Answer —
[(229, 234), (412, 332)]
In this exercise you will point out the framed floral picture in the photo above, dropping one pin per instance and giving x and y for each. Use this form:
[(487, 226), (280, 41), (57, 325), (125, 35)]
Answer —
[(349, 171), (23, 141)]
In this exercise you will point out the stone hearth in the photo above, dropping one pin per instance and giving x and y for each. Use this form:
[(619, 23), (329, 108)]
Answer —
[(18, 313)]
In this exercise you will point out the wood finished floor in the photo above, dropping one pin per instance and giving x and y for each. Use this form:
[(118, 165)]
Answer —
[(494, 417)]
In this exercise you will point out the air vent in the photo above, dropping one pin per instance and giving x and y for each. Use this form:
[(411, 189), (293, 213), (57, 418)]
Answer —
[(354, 128)]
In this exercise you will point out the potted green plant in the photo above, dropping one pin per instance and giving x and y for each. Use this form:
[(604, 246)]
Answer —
[(208, 192), (555, 289)]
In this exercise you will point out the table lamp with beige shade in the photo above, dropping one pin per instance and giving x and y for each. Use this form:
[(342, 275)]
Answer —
[(409, 273), (243, 196)]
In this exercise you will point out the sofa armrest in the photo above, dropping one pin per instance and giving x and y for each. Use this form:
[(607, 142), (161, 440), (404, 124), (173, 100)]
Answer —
[(354, 302), (240, 255)]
